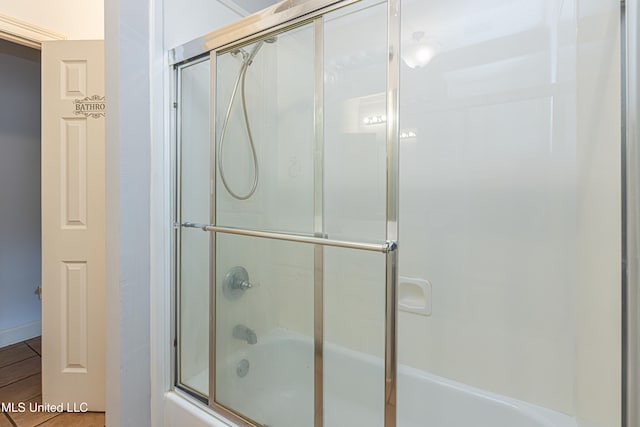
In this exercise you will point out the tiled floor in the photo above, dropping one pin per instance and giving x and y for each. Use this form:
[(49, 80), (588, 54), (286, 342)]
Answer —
[(20, 381)]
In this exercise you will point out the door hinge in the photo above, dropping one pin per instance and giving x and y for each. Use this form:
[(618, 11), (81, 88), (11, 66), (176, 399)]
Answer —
[(39, 292), (175, 342), (175, 105)]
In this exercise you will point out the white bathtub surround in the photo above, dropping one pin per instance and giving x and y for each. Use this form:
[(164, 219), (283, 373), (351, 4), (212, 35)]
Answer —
[(275, 392), (509, 208), (181, 411), (510, 200), (414, 295)]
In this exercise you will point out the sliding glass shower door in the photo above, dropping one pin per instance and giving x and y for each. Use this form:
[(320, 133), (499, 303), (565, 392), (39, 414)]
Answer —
[(289, 216), (264, 97)]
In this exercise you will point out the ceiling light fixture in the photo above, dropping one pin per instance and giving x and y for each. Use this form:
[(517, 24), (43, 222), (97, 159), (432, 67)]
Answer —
[(418, 53)]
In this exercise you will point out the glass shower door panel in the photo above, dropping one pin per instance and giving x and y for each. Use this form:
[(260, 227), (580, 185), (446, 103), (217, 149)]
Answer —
[(354, 337), (265, 133), (264, 357), (280, 169), (194, 244), (355, 195), (355, 105)]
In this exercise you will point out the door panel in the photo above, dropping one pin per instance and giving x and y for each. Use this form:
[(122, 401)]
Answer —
[(195, 190), (300, 223), (73, 224)]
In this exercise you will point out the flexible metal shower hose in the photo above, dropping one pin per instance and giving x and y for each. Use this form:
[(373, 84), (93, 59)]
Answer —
[(240, 82)]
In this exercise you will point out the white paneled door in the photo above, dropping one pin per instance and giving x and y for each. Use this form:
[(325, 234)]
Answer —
[(73, 225)]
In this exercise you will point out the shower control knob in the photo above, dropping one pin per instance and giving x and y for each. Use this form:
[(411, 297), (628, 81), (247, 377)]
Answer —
[(236, 282), (244, 285)]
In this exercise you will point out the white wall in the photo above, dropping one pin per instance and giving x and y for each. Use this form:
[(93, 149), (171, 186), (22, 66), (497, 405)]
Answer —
[(137, 37), (130, 48), (19, 193), (76, 19), (488, 196), (190, 19), (510, 200)]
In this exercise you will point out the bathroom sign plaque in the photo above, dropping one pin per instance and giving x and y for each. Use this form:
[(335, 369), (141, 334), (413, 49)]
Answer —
[(89, 106)]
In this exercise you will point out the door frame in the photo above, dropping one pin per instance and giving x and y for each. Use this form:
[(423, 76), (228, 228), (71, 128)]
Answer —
[(630, 92), (25, 33)]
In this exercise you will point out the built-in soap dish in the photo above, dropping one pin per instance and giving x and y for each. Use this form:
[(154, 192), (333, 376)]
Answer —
[(414, 296)]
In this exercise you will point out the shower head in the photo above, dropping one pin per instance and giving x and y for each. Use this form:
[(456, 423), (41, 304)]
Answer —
[(254, 52), (257, 47), (247, 57)]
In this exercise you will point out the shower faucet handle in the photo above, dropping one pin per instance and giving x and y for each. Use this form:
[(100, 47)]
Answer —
[(236, 282), (243, 285)]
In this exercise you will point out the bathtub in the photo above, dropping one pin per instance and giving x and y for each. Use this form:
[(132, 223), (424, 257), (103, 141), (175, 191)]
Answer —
[(277, 391)]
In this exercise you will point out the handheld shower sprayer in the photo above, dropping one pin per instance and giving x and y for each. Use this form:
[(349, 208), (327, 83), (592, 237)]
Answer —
[(254, 52), (247, 60)]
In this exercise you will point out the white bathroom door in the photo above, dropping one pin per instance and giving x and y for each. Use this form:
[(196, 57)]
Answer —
[(73, 225)]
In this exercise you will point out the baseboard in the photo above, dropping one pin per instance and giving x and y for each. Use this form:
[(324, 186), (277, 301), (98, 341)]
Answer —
[(19, 333)]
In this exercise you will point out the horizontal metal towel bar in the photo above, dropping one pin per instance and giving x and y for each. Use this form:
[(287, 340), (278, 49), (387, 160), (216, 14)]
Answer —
[(386, 247)]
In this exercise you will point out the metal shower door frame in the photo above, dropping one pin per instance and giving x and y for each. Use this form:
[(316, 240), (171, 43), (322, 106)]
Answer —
[(281, 17), (176, 238), (630, 55)]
